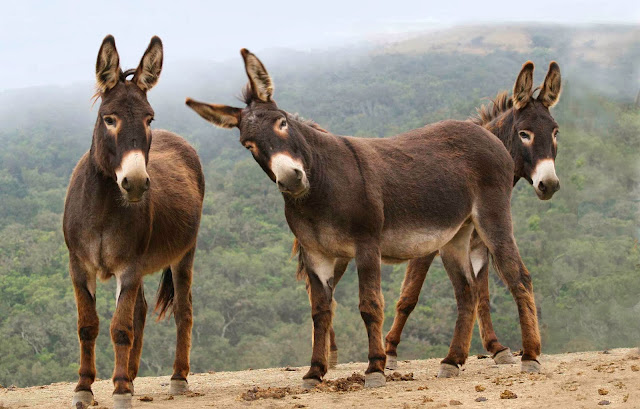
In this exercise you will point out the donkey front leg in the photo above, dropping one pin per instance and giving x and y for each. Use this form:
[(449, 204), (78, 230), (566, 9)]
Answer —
[(500, 353), (338, 272), (139, 318), (122, 335), (320, 269), (417, 270), (84, 285), (183, 313), (372, 312)]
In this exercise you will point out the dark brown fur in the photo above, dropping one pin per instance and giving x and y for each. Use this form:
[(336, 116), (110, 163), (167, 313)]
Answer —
[(107, 235), (391, 199)]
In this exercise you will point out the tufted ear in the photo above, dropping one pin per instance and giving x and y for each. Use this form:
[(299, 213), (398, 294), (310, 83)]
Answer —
[(148, 71), (523, 87), (107, 65), (220, 115), (259, 78), (551, 87)]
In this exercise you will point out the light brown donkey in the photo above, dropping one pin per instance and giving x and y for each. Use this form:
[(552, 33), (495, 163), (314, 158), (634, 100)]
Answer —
[(133, 207), (383, 200)]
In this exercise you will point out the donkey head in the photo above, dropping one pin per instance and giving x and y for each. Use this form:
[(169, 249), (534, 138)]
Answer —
[(536, 130), (122, 134), (272, 136)]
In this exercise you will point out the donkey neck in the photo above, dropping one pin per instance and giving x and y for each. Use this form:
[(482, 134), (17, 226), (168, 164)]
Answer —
[(502, 126)]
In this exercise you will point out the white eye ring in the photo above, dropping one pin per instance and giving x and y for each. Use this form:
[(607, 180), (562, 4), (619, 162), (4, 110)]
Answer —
[(526, 136)]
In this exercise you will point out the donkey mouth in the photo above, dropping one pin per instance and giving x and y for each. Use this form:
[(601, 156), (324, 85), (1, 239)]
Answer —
[(297, 194)]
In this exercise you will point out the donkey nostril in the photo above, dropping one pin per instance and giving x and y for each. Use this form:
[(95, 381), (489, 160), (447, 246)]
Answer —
[(299, 174), (125, 184), (280, 184), (542, 187), (147, 183)]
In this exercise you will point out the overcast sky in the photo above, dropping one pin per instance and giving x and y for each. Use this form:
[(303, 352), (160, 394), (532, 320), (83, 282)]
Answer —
[(56, 42)]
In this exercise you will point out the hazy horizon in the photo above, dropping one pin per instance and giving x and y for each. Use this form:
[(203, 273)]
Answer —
[(67, 55)]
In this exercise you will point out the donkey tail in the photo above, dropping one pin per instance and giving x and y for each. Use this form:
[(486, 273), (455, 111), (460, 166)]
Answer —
[(297, 250), (164, 297)]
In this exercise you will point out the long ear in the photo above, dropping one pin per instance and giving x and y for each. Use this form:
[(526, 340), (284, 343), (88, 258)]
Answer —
[(551, 87), (107, 65), (221, 115), (261, 83), (523, 87), (150, 66)]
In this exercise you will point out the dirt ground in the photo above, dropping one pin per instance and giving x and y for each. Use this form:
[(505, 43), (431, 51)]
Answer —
[(576, 380)]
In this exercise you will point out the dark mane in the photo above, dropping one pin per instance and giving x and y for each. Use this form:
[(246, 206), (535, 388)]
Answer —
[(487, 113), (308, 122)]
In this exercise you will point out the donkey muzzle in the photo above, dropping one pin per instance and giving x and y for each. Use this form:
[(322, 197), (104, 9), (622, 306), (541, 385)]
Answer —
[(544, 179), (132, 176), (290, 175)]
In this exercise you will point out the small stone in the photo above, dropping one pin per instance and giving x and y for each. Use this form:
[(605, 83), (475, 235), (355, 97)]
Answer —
[(211, 372), (455, 403), (423, 388), (480, 356), (625, 398), (426, 399), (603, 391), (480, 388), (289, 369), (635, 368), (300, 405), (604, 403), (170, 397), (146, 399), (481, 399), (507, 394)]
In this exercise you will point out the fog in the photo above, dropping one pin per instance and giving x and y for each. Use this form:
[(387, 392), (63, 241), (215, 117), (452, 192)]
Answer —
[(56, 42)]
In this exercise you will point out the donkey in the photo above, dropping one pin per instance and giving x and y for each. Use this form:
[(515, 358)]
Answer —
[(132, 208), (390, 199), (529, 132)]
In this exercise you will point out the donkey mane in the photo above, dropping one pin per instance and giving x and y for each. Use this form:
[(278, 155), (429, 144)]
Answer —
[(487, 113)]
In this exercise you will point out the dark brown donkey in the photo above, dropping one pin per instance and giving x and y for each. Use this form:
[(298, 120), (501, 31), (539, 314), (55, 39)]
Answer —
[(133, 207), (527, 129), (391, 199)]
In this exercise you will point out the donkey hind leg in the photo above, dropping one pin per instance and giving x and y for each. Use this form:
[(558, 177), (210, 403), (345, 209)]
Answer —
[(122, 335), (338, 272), (139, 318), (182, 274), (496, 232), (417, 270), (480, 263), (84, 286), (455, 257), (320, 270), (372, 312)]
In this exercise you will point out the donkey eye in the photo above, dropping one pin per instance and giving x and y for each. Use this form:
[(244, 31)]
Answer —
[(109, 120), (149, 121), (283, 123), (524, 135)]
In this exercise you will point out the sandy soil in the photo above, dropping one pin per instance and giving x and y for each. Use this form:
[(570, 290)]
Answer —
[(577, 380)]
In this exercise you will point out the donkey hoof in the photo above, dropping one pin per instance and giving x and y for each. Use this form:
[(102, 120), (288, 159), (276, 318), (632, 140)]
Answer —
[(374, 380), (122, 401), (178, 387), (131, 387), (448, 371), (504, 357), (392, 362), (82, 400), (333, 359), (530, 366), (310, 383)]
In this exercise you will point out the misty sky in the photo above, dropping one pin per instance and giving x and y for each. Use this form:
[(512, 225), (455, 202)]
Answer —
[(56, 42)]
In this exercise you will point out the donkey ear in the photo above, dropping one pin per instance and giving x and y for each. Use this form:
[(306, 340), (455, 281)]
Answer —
[(261, 83), (150, 66), (551, 87), (220, 115), (107, 65), (523, 87)]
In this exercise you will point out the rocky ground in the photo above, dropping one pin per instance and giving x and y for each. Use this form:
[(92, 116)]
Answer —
[(576, 380)]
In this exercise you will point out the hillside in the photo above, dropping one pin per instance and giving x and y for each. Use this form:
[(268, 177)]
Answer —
[(579, 380), (249, 312)]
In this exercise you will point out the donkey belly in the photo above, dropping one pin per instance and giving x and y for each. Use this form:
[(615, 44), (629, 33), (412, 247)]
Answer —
[(400, 245)]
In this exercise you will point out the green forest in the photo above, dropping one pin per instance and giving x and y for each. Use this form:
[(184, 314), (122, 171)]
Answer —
[(581, 247)]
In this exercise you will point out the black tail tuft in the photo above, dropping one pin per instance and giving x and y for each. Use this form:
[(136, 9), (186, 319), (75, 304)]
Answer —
[(164, 297)]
